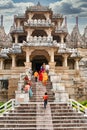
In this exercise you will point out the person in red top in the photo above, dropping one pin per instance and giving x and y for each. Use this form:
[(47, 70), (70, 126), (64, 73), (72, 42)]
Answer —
[(40, 76), (45, 97), (26, 79)]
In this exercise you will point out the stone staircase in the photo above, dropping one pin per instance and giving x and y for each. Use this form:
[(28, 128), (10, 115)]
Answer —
[(33, 116)]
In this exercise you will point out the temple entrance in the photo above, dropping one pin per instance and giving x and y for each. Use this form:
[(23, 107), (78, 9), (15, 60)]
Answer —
[(38, 61), (38, 57)]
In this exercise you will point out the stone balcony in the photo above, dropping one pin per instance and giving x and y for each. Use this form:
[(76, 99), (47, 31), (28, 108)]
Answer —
[(39, 23), (61, 30), (40, 41), (16, 29)]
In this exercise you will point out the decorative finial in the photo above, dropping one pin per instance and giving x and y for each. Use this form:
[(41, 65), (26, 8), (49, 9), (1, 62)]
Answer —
[(65, 21), (1, 20), (77, 21)]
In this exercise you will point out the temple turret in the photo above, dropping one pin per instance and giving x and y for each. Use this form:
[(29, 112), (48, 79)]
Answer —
[(76, 37), (85, 37)]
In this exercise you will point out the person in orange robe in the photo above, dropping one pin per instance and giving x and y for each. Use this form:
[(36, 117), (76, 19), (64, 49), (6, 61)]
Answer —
[(45, 78), (36, 76)]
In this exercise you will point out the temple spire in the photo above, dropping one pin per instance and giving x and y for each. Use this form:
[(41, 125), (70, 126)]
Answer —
[(38, 4)]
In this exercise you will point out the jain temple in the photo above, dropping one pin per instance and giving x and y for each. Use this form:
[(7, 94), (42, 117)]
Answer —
[(39, 36)]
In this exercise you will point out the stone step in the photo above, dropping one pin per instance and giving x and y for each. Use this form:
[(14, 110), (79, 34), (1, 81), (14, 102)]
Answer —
[(49, 128), (34, 110), (70, 125), (70, 128), (2, 125), (69, 117), (15, 125), (29, 128), (18, 118), (34, 113), (70, 121), (11, 120)]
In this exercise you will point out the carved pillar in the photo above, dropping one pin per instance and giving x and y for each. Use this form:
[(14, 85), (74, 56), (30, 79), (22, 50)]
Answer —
[(47, 15), (28, 63), (58, 24), (27, 56), (18, 23), (48, 31), (76, 64), (1, 64), (13, 60), (30, 15), (29, 32), (51, 63), (28, 35), (62, 38), (65, 56), (16, 38), (52, 55)]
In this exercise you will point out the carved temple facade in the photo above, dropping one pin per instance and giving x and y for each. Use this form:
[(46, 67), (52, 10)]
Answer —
[(38, 37)]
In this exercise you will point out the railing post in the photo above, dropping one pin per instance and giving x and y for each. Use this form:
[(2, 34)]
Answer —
[(78, 108), (70, 103), (85, 111), (5, 107), (12, 104)]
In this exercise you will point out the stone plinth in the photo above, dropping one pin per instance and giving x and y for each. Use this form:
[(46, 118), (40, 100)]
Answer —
[(58, 87), (52, 67), (20, 85), (21, 97), (61, 97), (60, 94), (27, 64), (55, 78)]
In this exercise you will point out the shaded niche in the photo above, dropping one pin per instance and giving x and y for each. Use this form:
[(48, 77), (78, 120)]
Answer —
[(39, 33), (4, 84), (39, 16), (57, 38), (58, 60)]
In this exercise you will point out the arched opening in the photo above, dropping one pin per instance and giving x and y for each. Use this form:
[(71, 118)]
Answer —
[(38, 57), (39, 33), (38, 61)]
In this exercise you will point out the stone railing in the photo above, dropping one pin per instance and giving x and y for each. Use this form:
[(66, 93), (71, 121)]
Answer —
[(58, 88), (40, 41), (16, 29), (39, 22), (77, 106), (19, 16), (61, 30), (57, 16), (7, 106)]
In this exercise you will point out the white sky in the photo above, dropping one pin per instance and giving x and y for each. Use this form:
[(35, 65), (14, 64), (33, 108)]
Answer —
[(69, 8)]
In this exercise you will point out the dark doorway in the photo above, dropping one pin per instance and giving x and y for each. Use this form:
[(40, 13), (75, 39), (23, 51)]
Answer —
[(37, 62)]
